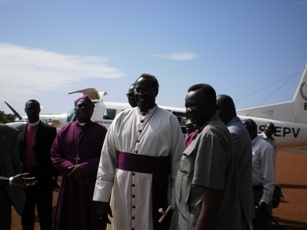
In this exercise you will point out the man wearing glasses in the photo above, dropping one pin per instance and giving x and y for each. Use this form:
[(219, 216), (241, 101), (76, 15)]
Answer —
[(130, 96)]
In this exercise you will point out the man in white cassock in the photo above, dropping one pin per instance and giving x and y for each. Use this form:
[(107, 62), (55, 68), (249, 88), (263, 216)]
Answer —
[(139, 161)]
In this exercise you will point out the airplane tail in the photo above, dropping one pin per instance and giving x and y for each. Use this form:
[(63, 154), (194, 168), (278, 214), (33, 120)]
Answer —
[(300, 100), (292, 111), (92, 93)]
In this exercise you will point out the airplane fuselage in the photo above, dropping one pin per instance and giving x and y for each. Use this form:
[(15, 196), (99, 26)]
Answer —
[(288, 135)]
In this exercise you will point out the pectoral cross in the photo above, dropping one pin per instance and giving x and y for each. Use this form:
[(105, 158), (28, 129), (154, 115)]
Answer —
[(164, 213), (77, 158)]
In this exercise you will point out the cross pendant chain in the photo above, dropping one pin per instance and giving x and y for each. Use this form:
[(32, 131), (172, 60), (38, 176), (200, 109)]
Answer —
[(77, 158), (78, 149)]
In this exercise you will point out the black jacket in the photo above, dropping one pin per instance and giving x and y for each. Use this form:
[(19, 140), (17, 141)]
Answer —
[(43, 141)]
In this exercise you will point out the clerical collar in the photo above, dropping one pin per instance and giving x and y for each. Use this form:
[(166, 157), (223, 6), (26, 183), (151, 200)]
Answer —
[(147, 109), (34, 124), (263, 135), (81, 124)]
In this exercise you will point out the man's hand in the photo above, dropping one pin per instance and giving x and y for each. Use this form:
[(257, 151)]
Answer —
[(103, 210), (22, 181), (263, 207), (77, 175)]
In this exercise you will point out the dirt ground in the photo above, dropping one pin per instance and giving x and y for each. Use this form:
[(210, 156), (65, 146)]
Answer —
[(292, 176), (291, 173)]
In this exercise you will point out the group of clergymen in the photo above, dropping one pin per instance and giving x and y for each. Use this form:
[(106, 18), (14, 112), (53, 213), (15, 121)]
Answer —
[(142, 173)]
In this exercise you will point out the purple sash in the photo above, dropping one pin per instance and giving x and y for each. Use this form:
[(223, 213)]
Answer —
[(160, 168)]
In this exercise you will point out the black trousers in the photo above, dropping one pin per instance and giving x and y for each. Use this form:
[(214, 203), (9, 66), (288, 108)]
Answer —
[(262, 221), (5, 210), (39, 196)]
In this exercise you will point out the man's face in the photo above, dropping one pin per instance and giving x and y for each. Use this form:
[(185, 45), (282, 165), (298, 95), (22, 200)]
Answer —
[(269, 129), (83, 110), (131, 99), (32, 110), (130, 96), (198, 109), (144, 93)]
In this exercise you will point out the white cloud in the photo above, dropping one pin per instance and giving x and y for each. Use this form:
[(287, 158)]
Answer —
[(184, 56), (36, 70)]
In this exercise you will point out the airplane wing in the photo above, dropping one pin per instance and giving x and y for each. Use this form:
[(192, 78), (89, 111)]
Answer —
[(14, 111)]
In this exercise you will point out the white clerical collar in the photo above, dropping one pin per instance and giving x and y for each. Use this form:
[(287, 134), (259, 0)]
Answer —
[(148, 110), (81, 123), (34, 124), (263, 135)]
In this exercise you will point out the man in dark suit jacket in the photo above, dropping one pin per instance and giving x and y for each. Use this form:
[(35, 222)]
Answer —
[(10, 165), (35, 140)]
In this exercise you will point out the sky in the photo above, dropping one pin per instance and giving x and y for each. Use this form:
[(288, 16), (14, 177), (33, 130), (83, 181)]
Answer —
[(254, 51)]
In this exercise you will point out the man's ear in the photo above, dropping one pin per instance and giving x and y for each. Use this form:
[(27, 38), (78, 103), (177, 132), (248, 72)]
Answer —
[(156, 92)]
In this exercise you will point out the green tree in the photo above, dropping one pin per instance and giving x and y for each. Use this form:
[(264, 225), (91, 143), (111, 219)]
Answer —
[(5, 118)]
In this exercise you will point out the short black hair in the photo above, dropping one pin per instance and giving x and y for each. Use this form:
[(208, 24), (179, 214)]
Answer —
[(207, 91), (251, 127), (155, 83), (250, 123), (33, 101)]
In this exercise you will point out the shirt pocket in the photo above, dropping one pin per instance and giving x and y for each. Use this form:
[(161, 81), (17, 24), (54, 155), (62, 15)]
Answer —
[(187, 162)]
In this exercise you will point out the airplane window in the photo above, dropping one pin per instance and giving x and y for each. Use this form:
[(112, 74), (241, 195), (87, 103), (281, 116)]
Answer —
[(109, 114), (181, 118), (70, 115)]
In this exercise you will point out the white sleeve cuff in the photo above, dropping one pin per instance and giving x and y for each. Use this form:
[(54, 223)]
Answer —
[(11, 181)]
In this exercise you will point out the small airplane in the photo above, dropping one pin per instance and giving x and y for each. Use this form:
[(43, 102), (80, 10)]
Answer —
[(289, 118)]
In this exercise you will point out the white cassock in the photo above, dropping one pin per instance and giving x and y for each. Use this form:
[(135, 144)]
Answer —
[(156, 133)]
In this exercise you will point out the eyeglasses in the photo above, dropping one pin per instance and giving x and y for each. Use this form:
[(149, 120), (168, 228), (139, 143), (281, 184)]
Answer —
[(143, 91), (83, 105), (130, 95)]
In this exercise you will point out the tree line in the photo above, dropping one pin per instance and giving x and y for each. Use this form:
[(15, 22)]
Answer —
[(5, 118)]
